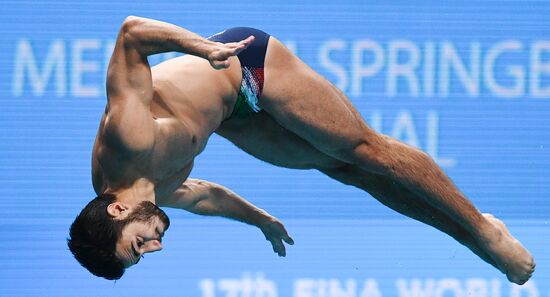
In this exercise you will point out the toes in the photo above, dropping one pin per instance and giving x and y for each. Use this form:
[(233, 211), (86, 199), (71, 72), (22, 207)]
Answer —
[(522, 279), (519, 281)]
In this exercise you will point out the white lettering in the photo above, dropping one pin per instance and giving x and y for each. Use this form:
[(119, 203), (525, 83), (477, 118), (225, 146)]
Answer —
[(529, 289), (495, 288), (25, 61), (109, 48), (336, 289), (451, 60), (359, 69), (538, 68), (415, 288), (418, 69), (246, 286), (303, 287), (207, 287), (231, 287), (449, 284), (264, 287), (429, 69), (515, 71), (405, 70), (370, 289), (307, 287), (337, 70), (432, 141), (474, 287), (79, 67), (404, 129), (477, 287)]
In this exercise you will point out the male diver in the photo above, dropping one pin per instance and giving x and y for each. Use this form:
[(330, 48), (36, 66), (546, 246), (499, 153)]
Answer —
[(244, 85)]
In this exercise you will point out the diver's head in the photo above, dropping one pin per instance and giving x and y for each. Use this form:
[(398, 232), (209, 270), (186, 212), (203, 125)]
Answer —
[(109, 236)]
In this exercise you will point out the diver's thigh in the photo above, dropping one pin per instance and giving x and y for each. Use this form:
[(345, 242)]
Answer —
[(307, 104), (262, 137)]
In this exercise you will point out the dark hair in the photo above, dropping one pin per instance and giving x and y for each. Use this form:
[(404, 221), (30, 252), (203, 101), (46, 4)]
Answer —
[(93, 237)]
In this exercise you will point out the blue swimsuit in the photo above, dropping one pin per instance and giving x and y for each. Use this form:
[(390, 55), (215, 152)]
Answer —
[(252, 64)]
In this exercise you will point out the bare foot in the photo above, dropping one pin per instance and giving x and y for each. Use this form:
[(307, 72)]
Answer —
[(510, 256), (468, 241)]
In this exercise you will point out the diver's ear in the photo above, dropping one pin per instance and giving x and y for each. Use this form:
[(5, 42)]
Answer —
[(117, 209)]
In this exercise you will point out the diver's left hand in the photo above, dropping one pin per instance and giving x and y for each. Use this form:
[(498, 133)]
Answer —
[(275, 232)]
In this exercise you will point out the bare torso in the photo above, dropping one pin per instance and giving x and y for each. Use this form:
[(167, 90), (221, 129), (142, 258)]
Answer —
[(190, 101)]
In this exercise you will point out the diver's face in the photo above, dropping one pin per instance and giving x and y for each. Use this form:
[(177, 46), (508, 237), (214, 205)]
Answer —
[(142, 235)]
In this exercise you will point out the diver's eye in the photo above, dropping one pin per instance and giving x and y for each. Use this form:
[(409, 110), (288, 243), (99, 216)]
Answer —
[(140, 242)]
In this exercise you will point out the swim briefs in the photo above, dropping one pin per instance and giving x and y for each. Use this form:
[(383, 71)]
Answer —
[(252, 65)]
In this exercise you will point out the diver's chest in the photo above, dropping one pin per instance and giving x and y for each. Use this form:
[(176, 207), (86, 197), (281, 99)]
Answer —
[(171, 158), (171, 180)]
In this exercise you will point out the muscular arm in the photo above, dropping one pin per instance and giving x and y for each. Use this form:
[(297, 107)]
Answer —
[(141, 37), (129, 83), (207, 198), (151, 37)]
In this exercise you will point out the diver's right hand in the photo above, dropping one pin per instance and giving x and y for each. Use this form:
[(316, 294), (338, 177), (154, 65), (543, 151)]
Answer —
[(221, 52)]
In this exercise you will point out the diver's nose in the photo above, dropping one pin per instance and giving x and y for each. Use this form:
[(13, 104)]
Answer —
[(152, 246), (157, 245)]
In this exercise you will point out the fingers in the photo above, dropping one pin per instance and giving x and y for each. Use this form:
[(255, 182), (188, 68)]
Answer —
[(241, 45), (288, 239), (276, 233), (224, 64), (220, 64), (220, 57), (277, 244), (278, 247), (248, 41), (285, 236)]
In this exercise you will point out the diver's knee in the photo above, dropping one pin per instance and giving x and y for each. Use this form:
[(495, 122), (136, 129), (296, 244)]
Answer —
[(373, 154)]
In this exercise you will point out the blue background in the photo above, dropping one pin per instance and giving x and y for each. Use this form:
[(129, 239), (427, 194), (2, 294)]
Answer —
[(500, 145)]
